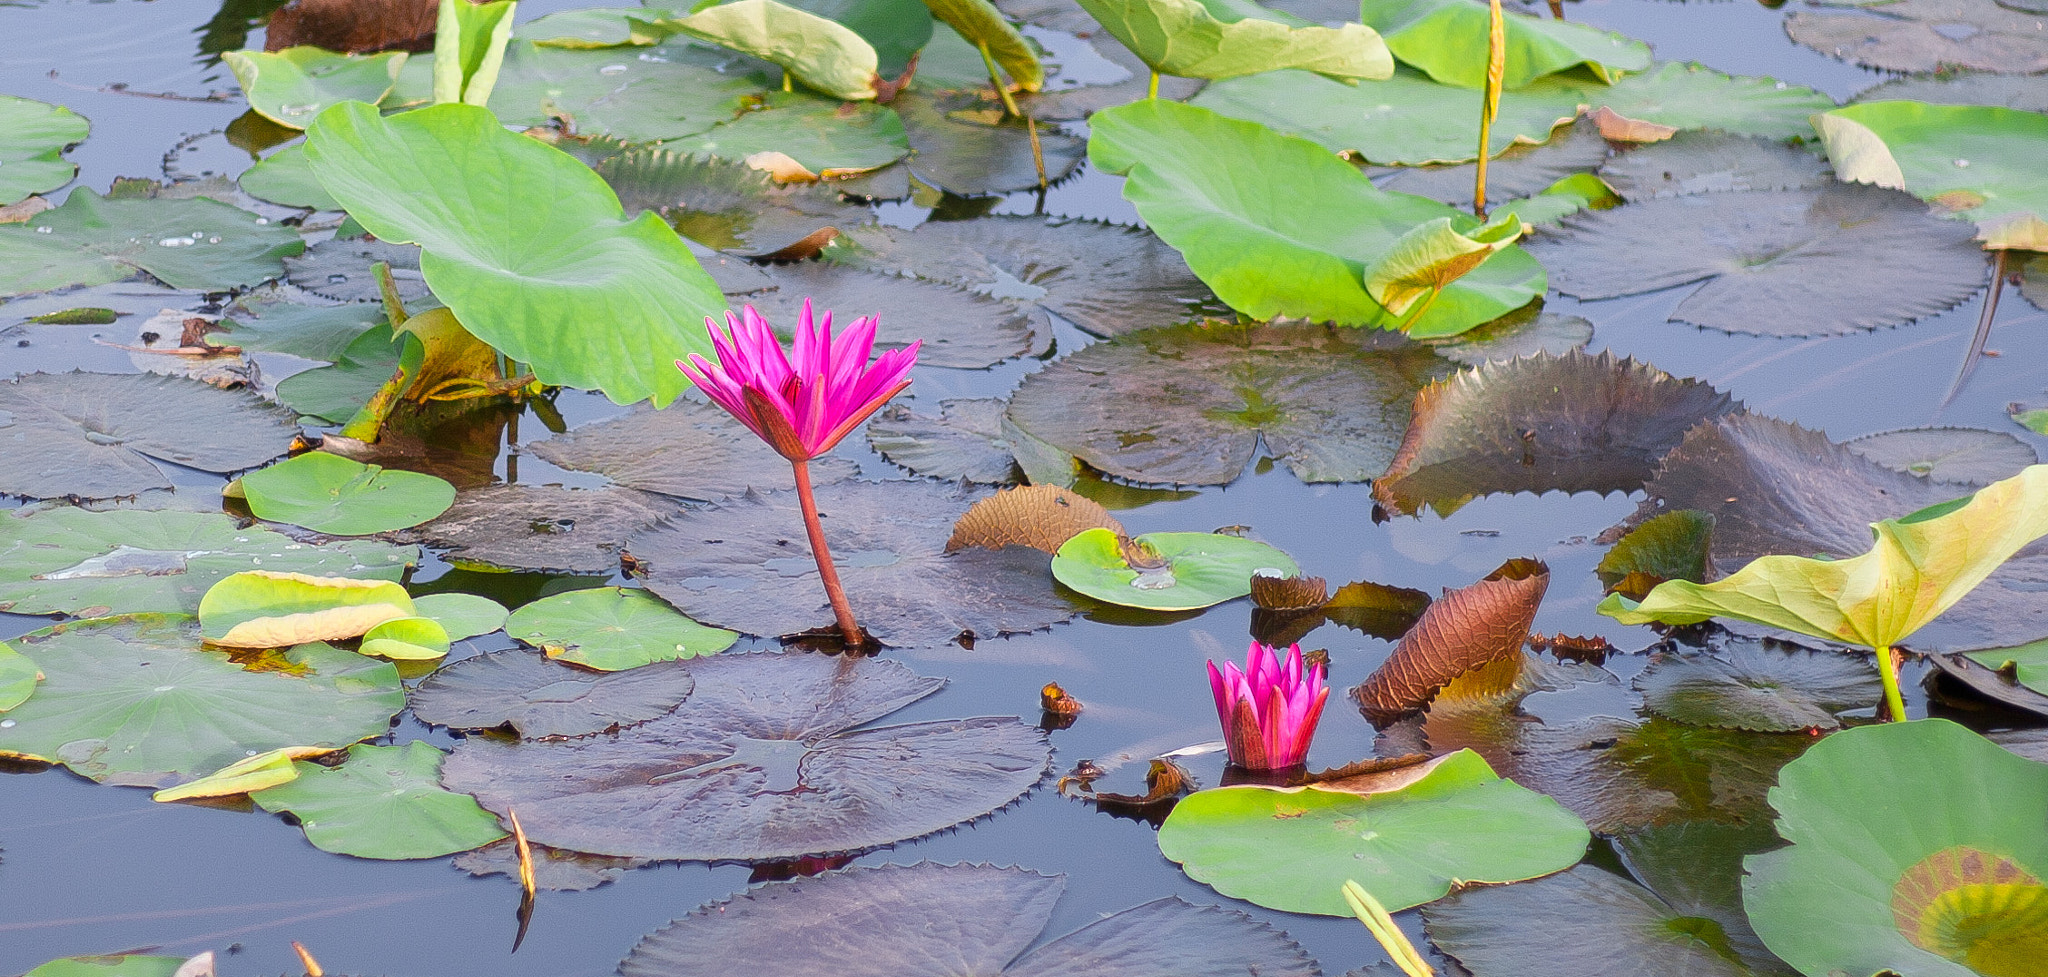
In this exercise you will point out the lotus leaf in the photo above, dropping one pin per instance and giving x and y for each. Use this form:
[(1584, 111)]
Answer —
[(1298, 252), (623, 290), (1928, 35), (970, 150), (187, 243), (542, 698), (267, 609), (982, 25), (1706, 162), (964, 442), (1194, 39), (71, 561), (119, 965), (690, 449), (1292, 849), (1855, 258), (266, 769), (613, 628), (1684, 95), (801, 138), (931, 920), (1406, 119), (744, 565), (1434, 36), (135, 701), (291, 86), (18, 677), (541, 527), (469, 49), (286, 177), (761, 762), (1190, 404), (1571, 423), (1165, 571), (383, 802), (1745, 684), (462, 615), (406, 639), (1979, 163), (1915, 848), (1958, 455), (100, 435), (38, 134), (824, 55)]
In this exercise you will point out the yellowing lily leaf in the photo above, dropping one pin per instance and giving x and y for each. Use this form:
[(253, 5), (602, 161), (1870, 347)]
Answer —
[(267, 769), (1193, 39), (984, 26), (823, 54), (262, 609), (1981, 163), (407, 638), (1432, 255), (1921, 565)]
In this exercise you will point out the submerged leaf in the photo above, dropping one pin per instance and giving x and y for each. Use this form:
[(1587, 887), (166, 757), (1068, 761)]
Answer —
[(1042, 517), (690, 449), (1466, 629), (1165, 571), (1194, 39), (99, 435), (540, 698), (383, 802), (331, 494), (1746, 684), (613, 628)]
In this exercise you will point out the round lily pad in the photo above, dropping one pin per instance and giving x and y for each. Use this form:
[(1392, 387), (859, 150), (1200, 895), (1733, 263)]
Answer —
[(462, 615), (971, 148), (1705, 162), (186, 243), (1958, 455), (1527, 331), (822, 137), (1166, 571), (38, 134), (331, 494), (540, 698), (1189, 404), (1927, 35), (763, 761), (382, 802), (691, 449), (543, 528), (100, 435), (1293, 849), (1745, 684), (930, 920), (119, 965), (964, 442), (725, 204), (958, 328), (1915, 848), (18, 677), (73, 561), (1519, 171), (135, 701), (1962, 88), (1620, 774), (610, 628), (343, 269)]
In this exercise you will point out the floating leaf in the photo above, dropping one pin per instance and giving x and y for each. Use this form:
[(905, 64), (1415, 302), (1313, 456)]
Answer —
[(761, 762), (291, 86), (1190, 404), (1745, 684), (1957, 455), (462, 615), (613, 628), (120, 965), (966, 148), (1975, 162), (1915, 847), (690, 449), (1962, 88), (820, 53), (413, 638), (1622, 774), (331, 494), (37, 135), (982, 25), (1928, 35), (1434, 36), (135, 701), (541, 527), (285, 177), (1293, 849), (383, 802), (1467, 628), (1706, 162), (186, 243), (1528, 331), (745, 565), (263, 322), (1301, 253), (71, 561), (18, 677), (342, 269), (541, 698), (1667, 546), (1197, 40), (958, 328), (1165, 571), (929, 920), (1683, 95), (1571, 423), (1042, 517), (100, 435), (2026, 664), (800, 137), (1696, 869), (606, 308), (267, 609), (727, 204), (1520, 170), (1855, 258), (964, 442), (335, 393), (267, 769)]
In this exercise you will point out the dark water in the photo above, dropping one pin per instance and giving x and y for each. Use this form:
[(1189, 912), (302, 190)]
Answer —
[(97, 869)]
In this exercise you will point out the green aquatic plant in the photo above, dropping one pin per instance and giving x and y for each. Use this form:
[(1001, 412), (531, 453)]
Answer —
[(1921, 564), (1228, 38)]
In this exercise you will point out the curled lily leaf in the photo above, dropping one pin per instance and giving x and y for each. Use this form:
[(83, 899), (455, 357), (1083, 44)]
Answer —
[(1431, 255)]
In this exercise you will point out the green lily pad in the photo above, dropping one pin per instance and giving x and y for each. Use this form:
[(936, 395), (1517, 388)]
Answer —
[(613, 628), (1915, 848), (595, 27), (1298, 254), (1957, 455), (824, 55), (1193, 570), (100, 435), (18, 677), (344, 270), (1683, 95), (606, 308), (72, 561), (2027, 664), (1744, 684), (964, 442), (406, 639), (37, 135), (135, 701), (1521, 170), (1667, 546), (119, 965), (1706, 162), (334, 394), (979, 23), (1928, 35), (1858, 258), (541, 698), (1190, 404), (690, 450), (826, 138), (462, 615), (331, 494), (1292, 849), (266, 322), (1435, 36), (1975, 162), (286, 177), (187, 243), (543, 528), (1623, 774), (1406, 119), (291, 86), (383, 802), (1194, 39), (265, 609)]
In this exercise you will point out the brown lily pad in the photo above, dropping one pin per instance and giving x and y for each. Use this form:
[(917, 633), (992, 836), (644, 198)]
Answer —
[(964, 442), (1709, 162), (100, 435), (1927, 35), (958, 328), (543, 528), (1466, 629), (539, 697), (690, 450)]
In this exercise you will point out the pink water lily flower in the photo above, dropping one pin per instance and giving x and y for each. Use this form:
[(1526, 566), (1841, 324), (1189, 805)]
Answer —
[(1270, 709), (804, 402)]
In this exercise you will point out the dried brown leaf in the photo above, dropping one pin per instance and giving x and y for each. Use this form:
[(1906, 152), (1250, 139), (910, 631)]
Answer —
[(1278, 593), (1039, 516), (354, 26), (1467, 628), (1616, 127)]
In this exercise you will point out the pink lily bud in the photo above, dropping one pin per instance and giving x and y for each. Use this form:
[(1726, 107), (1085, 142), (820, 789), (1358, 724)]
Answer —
[(1269, 709)]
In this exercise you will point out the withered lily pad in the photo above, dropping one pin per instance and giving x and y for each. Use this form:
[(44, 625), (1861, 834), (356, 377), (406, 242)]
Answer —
[(690, 449), (1774, 263), (1926, 35), (1620, 774), (1104, 278), (964, 442), (726, 205), (383, 802), (1774, 487), (759, 764), (341, 269), (135, 701), (1962, 456), (966, 146), (1189, 404), (538, 697), (1468, 628), (1571, 423), (746, 565), (1705, 162), (1746, 684), (1039, 516), (542, 527), (959, 328), (72, 561), (612, 628), (98, 435), (931, 920)]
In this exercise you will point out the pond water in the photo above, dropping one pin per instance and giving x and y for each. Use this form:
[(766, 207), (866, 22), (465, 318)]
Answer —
[(92, 869)]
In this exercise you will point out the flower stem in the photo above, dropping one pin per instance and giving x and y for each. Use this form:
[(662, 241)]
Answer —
[(1888, 669), (848, 628), (1152, 88)]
